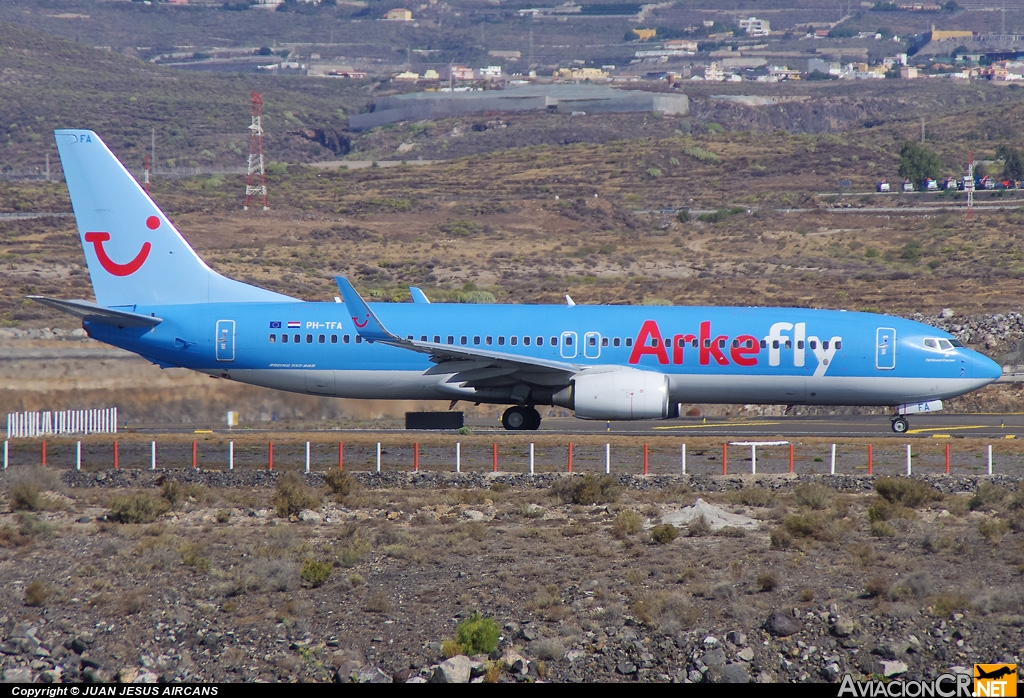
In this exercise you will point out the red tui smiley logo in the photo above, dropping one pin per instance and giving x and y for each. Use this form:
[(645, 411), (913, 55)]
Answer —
[(112, 267)]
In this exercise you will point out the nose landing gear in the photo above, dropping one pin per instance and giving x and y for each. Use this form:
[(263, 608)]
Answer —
[(521, 418), (900, 424)]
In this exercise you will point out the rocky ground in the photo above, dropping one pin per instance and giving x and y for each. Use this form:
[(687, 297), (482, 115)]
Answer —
[(136, 576)]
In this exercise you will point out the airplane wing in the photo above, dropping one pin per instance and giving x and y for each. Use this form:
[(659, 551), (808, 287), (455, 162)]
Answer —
[(474, 366), (87, 310)]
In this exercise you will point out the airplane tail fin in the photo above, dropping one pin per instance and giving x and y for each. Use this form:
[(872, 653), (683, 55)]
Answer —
[(134, 253)]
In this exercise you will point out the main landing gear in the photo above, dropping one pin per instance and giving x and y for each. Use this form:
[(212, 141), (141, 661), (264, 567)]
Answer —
[(900, 424), (521, 418)]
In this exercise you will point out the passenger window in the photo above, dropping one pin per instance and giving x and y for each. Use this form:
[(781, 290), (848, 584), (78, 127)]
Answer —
[(789, 344), (824, 344), (487, 341), (764, 344), (540, 341), (321, 339), (334, 339), (437, 339), (604, 341), (814, 345), (423, 337), (451, 339), (707, 343), (359, 339), (273, 338), (629, 341), (839, 345), (568, 341), (693, 344), (501, 341), (615, 342), (655, 341), (284, 339), (775, 344), (309, 339), (554, 341), (344, 339), (476, 339), (297, 338), (800, 344), (526, 341), (463, 340), (593, 341), (513, 340)]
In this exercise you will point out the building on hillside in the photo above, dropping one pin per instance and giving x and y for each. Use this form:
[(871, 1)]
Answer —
[(461, 72), (755, 27), (406, 75), (687, 46), (491, 72), (713, 73), (822, 66), (908, 72), (645, 34), (399, 14), (581, 74)]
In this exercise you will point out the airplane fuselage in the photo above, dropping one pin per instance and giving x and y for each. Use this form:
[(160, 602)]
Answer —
[(710, 354)]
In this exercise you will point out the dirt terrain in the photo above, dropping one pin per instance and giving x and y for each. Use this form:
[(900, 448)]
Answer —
[(255, 576)]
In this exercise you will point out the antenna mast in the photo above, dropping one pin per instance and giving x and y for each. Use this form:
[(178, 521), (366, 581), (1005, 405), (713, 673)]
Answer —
[(256, 184)]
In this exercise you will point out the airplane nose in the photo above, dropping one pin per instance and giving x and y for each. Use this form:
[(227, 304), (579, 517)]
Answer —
[(985, 367)]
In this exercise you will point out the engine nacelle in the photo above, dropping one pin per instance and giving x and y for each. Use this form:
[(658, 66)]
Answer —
[(623, 394)]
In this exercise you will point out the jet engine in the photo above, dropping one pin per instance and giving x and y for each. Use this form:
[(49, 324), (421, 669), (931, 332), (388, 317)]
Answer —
[(623, 394)]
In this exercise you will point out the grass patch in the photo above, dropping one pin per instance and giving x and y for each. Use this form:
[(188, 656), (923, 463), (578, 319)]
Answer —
[(627, 522), (905, 491), (315, 573), (664, 533), (477, 634)]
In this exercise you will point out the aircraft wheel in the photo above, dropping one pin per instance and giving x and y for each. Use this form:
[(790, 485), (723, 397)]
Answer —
[(517, 418), (533, 420), (900, 425)]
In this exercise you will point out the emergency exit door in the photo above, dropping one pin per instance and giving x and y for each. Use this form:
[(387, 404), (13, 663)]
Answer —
[(225, 340)]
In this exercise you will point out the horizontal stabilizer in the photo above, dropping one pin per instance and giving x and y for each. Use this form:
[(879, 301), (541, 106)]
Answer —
[(87, 310)]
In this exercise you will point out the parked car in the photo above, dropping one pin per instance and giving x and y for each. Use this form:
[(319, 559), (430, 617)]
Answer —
[(931, 185), (908, 185), (950, 184), (987, 183), (883, 186)]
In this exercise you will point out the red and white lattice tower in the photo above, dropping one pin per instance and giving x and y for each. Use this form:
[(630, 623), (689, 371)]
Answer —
[(256, 184), (969, 187)]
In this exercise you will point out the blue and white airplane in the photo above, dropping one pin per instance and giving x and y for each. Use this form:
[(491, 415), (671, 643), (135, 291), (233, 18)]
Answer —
[(157, 298)]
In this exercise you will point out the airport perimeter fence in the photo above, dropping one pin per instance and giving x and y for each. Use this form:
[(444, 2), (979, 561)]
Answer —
[(661, 458), (62, 423)]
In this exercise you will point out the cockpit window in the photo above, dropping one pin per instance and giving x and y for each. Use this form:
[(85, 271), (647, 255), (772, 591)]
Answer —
[(939, 344), (957, 343), (931, 344), (945, 345)]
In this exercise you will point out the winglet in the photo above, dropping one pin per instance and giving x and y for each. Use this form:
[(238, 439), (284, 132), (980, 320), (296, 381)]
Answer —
[(418, 296), (366, 323)]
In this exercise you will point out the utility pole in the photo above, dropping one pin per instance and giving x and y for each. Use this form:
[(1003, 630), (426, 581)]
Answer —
[(969, 187)]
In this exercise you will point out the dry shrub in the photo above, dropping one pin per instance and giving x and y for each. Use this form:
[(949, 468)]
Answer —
[(315, 573), (752, 497), (27, 486), (988, 496), (626, 522), (780, 539), (730, 532), (884, 510), (992, 530), (944, 605), (292, 496), (547, 648), (813, 495), (698, 526), (141, 507), (341, 484), (905, 491), (192, 555), (590, 489), (37, 593), (877, 588), (664, 533), (882, 529), (450, 648), (377, 602), (669, 612), (767, 581), (916, 586)]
